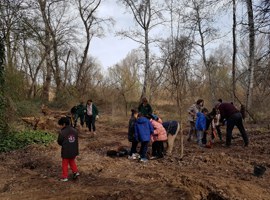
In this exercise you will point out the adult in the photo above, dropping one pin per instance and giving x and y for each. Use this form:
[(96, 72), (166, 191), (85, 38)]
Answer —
[(192, 114), (91, 115), (81, 110), (233, 118), (172, 128), (145, 108)]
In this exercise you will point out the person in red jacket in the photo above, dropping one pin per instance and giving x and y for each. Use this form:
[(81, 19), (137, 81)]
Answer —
[(68, 140)]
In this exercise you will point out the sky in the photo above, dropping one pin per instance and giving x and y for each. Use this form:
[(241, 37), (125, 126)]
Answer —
[(112, 49)]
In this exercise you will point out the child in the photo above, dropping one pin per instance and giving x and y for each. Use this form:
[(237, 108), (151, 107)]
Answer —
[(201, 125), (210, 128), (217, 125), (157, 139), (68, 139), (131, 135), (143, 130)]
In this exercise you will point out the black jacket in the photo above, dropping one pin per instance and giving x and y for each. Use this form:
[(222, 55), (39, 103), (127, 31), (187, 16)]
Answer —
[(68, 139)]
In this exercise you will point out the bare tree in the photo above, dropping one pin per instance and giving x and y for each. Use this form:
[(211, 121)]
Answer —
[(251, 53), (11, 15), (147, 16), (201, 22), (176, 59), (124, 77), (33, 63), (234, 61), (93, 26)]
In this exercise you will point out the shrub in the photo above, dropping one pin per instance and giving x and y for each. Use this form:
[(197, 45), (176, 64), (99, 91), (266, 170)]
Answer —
[(17, 140)]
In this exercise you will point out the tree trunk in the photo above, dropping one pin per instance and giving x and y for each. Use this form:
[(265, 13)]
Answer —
[(147, 63), (57, 71), (208, 70), (234, 53), (47, 46), (251, 53)]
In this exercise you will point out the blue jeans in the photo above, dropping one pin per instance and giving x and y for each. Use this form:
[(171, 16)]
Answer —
[(199, 137)]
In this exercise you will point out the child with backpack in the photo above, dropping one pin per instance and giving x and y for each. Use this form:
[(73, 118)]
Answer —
[(68, 140)]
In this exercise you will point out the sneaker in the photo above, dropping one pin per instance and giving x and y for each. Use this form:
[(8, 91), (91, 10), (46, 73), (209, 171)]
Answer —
[(75, 175), (137, 155), (143, 160), (134, 156), (64, 179), (153, 157)]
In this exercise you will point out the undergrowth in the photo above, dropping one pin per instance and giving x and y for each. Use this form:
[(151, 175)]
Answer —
[(17, 140)]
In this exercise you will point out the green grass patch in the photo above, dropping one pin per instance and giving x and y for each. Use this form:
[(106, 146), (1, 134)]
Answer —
[(17, 140)]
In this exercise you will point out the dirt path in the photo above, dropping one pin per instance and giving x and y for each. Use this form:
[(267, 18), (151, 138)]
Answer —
[(217, 173)]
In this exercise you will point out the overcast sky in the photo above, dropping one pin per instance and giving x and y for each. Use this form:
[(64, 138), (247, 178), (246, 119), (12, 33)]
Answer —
[(112, 49)]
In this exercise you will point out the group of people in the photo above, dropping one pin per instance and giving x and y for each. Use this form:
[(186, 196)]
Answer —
[(86, 114), (205, 124), (145, 127), (68, 136)]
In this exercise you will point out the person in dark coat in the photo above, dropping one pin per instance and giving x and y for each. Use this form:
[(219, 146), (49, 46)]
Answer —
[(68, 140), (233, 118), (145, 108), (81, 110), (131, 135), (91, 115)]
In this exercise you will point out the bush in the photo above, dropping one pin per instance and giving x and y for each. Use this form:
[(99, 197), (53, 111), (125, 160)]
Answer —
[(17, 140), (27, 108)]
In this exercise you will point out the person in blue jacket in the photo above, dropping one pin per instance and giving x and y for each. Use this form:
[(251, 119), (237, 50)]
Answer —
[(200, 125), (143, 130)]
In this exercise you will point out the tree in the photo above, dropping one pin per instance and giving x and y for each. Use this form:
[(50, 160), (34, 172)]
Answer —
[(146, 16), (251, 57), (263, 16), (57, 29), (201, 22), (234, 61), (3, 121), (124, 77), (93, 27), (176, 59)]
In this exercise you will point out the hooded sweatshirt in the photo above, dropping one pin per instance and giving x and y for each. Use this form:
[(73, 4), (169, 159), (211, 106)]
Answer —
[(200, 122), (143, 129)]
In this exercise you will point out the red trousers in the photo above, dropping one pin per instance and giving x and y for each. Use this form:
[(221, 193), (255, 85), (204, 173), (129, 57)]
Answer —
[(71, 163)]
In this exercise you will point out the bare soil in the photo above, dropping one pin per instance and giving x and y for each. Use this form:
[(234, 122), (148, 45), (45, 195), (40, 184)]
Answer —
[(215, 174)]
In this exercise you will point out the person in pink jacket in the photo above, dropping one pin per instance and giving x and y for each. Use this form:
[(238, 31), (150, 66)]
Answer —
[(158, 137)]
